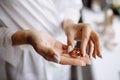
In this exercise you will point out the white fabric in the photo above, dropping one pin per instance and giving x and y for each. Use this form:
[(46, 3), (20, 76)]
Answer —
[(43, 15)]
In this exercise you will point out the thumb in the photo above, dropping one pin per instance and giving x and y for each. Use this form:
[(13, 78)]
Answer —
[(70, 42), (53, 55), (56, 57)]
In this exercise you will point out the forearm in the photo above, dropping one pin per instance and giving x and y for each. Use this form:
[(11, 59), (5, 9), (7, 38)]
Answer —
[(20, 37)]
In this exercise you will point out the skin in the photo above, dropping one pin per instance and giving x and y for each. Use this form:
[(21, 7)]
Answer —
[(47, 46), (84, 33)]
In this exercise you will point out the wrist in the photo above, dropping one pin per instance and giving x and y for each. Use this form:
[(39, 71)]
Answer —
[(20, 37), (33, 38)]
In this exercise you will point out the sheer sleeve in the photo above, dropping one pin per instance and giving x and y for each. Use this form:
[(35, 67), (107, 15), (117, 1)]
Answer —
[(8, 53)]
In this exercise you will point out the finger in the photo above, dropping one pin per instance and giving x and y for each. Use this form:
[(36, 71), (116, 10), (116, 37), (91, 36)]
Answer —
[(52, 55), (90, 48), (65, 52), (56, 59), (70, 40), (98, 47), (53, 58), (64, 47), (97, 44), (94, 52), (85, 38), (72, 45), (86, 59), (71, 61)]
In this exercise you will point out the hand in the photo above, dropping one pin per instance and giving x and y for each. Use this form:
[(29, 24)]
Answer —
[(53, 50), (84, 33)]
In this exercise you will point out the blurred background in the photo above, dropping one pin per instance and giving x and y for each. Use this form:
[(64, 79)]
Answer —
[(104, 16)]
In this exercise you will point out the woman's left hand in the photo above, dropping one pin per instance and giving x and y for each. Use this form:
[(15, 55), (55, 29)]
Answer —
[(84, 33)]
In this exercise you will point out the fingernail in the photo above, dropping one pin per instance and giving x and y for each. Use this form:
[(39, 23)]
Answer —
[(95, 57), (70, 48), (56, 58), (84, 52), (74, 44), (83, 63), (100, 56), (89, 62)]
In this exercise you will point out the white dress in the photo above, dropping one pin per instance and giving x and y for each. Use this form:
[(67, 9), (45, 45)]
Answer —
[(23, 63)]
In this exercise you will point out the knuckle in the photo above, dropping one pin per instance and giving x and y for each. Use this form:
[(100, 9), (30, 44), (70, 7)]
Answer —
[(97, 37)]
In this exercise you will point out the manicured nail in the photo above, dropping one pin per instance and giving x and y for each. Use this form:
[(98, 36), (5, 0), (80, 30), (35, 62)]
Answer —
[(74, 44), (89, 62), (100, 56), (70, 48), (83, 63), (84, 52), (56, 58), (95, 57)]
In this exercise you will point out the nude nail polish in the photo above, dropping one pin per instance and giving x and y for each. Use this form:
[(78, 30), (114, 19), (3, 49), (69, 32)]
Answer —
[(70, 48), (56, 58)]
